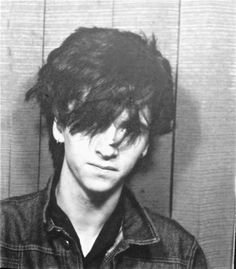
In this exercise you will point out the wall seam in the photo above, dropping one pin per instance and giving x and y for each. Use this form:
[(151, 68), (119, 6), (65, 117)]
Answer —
[(40, 112), (113, 13), (175, 109), (9, 179)]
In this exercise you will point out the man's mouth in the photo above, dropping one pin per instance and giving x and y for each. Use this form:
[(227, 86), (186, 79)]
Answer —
[(104, 167)]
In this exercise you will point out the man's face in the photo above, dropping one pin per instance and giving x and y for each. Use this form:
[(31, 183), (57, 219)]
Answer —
[(100, 163)]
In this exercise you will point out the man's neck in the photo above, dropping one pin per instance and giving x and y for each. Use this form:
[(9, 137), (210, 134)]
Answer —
[(87, 211)]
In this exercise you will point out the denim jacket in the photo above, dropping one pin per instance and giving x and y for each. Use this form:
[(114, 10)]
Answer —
[(29, 239)]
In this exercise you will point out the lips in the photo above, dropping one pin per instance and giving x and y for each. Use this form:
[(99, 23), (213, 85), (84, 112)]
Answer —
[(104, 167)]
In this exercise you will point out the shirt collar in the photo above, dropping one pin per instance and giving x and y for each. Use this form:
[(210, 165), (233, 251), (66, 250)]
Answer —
[(137, 225)]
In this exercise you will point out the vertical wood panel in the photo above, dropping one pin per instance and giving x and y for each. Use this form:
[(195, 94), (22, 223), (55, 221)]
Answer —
[(62, 18), (5, 109), (205, 136), (161, 18), (22, 34)]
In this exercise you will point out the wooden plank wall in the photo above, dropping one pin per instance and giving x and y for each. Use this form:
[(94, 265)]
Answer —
[(22, 24), (198, 38), (205, 137)]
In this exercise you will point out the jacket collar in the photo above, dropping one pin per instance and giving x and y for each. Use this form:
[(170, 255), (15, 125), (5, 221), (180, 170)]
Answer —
[(47, 191), (137, 225)]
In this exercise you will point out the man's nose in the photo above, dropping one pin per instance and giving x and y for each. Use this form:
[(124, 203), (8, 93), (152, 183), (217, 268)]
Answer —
[(106, 145)]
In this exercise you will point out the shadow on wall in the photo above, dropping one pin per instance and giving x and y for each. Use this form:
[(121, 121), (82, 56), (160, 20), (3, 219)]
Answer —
[(155, 186), (188, 133), (205, 134), (205, 161)]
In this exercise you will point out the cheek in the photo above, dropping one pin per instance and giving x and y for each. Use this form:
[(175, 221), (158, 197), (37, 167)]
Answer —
[(73, 153), (128, 163), (133, 154), (76, 145)]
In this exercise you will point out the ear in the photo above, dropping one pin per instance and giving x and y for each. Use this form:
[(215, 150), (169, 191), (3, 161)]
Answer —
[(144, 153), (58, 133)]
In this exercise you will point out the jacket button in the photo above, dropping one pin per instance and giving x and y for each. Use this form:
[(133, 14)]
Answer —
[(67, 244)]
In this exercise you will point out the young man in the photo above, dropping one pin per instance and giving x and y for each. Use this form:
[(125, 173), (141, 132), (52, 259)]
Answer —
[(105, 95)]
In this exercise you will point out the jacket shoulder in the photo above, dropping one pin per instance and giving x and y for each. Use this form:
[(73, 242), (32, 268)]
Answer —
[(23, 203), (168, 228), (175, 246), (175, 241), (19, 214)]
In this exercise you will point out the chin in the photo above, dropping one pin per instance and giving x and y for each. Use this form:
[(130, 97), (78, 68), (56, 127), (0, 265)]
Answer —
[(100, 188), (103, 186)]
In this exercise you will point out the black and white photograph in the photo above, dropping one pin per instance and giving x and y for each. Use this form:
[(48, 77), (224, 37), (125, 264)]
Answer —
[(118, 134)]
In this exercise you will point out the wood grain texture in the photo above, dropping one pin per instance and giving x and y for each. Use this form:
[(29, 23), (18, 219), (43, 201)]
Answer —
[(5, 110), (205, 136), (21, 58), (153, 188)]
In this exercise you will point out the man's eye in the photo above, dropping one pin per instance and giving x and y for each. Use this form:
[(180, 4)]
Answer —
[(144, 128), (122, 131)]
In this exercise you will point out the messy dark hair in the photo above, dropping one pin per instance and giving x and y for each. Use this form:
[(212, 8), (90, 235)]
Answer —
[(95, 75)]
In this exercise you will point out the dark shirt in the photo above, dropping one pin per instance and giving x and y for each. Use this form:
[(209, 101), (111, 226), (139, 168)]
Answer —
[(105, 239)]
